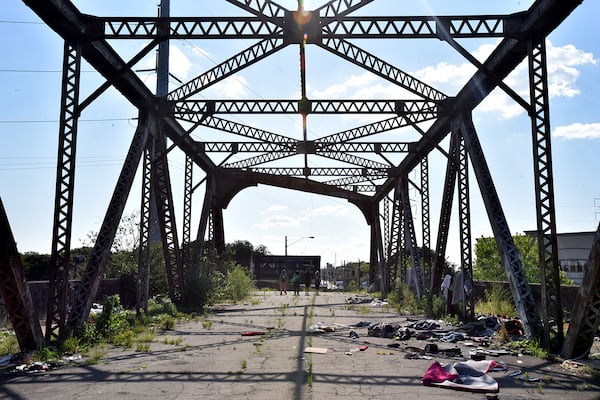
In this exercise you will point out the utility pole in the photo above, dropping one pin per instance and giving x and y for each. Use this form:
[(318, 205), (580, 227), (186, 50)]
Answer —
[(162, 89)]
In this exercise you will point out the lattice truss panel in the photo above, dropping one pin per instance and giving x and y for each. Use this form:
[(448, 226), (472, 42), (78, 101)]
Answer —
[(298, 135)]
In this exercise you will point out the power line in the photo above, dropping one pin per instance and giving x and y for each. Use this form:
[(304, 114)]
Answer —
[(3, 21), (32, 71), (48, 121)]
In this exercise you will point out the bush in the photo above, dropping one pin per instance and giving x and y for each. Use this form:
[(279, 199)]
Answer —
[(239, 284), (404, 299), (112, 320), (8, 343), (498, 301)]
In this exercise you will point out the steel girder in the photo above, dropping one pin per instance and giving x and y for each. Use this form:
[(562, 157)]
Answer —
[(188, 189), (90, 281), (585, 318), (301, 147), (522, 294), (394, 247), (425, 221), (464, 217), (544, 193), (335, 24), (211, 107), (161, 184), (410, 237), (15, 292), (143, 275), (445, 214), (60, 260)]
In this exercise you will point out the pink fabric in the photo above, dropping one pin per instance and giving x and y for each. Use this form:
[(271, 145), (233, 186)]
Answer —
[(436, 374), (468, 375)]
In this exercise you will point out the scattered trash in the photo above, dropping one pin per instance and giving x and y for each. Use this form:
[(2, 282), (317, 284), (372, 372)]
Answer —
[(382, 329), (476, 355), (353, 335), (317, 350), (253, 333), (321, 327)]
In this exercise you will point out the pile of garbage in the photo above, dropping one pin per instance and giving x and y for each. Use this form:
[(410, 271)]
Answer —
[(24, 363)]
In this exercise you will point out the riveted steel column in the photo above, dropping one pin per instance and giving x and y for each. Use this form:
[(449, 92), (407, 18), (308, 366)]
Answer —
[(544, 194), (15, 292), (143, 278), (464, 216), (60, 259), (585, 317)]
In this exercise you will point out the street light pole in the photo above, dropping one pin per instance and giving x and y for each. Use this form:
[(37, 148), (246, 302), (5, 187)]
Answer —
[(302, 238)]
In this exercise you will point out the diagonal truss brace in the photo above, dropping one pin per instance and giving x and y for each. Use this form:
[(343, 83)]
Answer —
[(58, 288), (86, 293), (544, 194), (15, 291), (522, 294), (410, 238)]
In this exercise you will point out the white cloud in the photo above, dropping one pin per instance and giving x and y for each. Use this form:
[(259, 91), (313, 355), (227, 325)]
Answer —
[(232, 87), (280, 220), (179, 63), (578, 131), (337, 210), (450, 76), (275, 208)]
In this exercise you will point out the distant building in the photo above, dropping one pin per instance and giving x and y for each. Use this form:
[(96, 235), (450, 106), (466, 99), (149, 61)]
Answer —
[(265, 269), (573, 252)]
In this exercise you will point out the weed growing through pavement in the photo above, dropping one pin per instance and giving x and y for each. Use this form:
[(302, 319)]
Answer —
[(206, 324), (244, 363), (283, 309), (142, 347), (94, 355), (147, 337), (173, 341)]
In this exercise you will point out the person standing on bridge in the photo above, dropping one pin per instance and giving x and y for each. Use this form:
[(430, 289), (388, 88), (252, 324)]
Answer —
[(307, 280), (296, 282), (283, 281), (317, 281)]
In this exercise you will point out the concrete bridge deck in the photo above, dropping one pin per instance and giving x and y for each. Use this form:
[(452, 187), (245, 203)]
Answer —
[(213, 360)]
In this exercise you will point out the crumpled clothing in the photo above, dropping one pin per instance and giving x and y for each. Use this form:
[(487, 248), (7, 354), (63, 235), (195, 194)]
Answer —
[(321, 327), (452, 337), (425, 325), (382, 329)]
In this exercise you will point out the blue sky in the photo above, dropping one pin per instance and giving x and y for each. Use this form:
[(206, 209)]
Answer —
[(29, 109)]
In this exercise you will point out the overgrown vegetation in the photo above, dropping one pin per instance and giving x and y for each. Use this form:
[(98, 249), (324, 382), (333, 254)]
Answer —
[(488, 267), (404, 299), (498, 301)]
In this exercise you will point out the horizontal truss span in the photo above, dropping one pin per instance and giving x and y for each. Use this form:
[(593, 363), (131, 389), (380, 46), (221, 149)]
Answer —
[(302, 147), (417, 27), (373, 173), (398, 107)]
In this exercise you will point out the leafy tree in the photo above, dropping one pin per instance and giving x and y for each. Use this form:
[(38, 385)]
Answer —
[(488, 266), (36, 266)]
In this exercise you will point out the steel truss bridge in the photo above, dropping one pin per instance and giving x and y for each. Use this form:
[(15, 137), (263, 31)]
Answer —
[(380, 189)]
